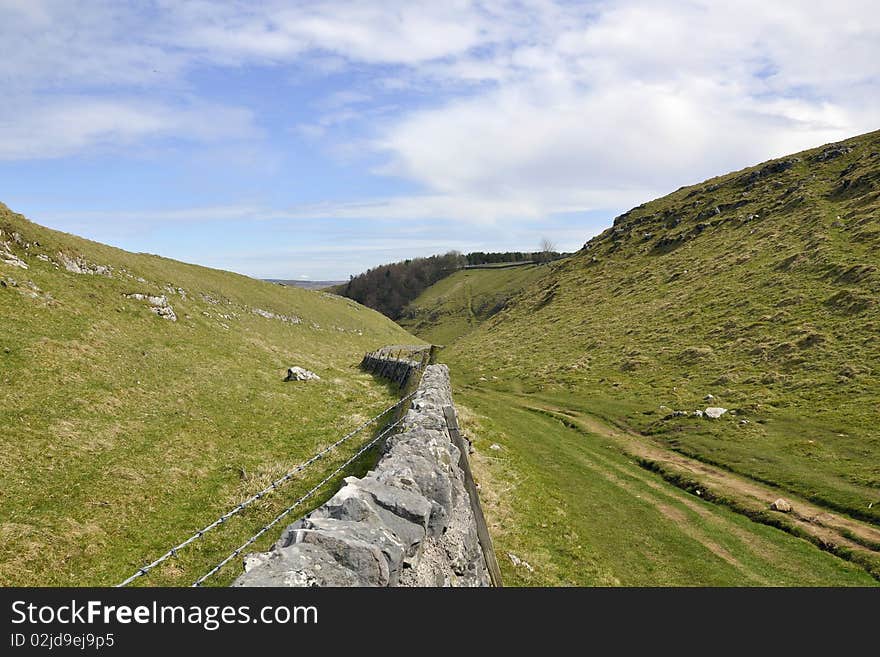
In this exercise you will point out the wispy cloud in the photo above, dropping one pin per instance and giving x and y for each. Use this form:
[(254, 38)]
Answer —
[(468, 210), (32, 129)]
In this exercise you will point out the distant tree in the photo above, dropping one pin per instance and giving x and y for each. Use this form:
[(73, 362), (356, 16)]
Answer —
[(390, 288), (547, 252)]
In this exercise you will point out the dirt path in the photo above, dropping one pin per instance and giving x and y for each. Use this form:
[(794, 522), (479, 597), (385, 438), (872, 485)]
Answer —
[(658, 499), (842, 535)]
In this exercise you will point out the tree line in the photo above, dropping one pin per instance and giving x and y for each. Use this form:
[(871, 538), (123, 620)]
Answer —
[(390, 288)]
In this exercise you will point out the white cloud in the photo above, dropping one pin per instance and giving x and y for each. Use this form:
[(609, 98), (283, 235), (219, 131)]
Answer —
[(469, 209), (62, 125), (58, 44), (644, 95), (387, 32), (414, 208)]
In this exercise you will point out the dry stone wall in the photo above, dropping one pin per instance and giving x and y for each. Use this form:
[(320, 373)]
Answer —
[(408, 522), (390, 363)]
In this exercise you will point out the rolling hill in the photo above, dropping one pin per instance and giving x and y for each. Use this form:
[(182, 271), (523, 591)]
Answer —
[(756, 292), (141, 398), (458, 303)]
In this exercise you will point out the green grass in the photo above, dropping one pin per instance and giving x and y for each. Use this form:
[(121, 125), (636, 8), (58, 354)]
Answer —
[(582, 513), (770, 304), (124, 432), (460, 302)]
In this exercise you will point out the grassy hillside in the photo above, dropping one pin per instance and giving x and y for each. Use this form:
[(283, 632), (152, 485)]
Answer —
[(391, 288), (125, 430), (759, 288), (581, 512), (459, 303)]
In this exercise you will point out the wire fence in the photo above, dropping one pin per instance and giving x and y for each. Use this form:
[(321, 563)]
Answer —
[(237, 551), (268, 489)]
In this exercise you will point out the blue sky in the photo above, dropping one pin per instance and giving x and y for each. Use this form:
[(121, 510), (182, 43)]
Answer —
[(317, 139)]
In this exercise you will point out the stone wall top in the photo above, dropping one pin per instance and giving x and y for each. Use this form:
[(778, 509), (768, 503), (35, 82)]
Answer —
[(407, 522)]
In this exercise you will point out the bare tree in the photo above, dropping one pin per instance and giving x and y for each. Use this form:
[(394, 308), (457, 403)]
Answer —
[(548, 248)]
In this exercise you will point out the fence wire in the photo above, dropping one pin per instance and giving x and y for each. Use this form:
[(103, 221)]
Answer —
[(268, 489), (236, 552)]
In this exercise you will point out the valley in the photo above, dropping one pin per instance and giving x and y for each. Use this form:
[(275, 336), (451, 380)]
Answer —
[(637, 408), (754, 293)]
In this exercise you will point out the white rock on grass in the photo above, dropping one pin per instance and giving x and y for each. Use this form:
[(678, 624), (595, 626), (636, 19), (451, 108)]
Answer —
[(166, 312), (517, 562), (9, 258), (78, 265), (781, 505), (715, 412), (300, 374), (290, 319), (158, 304)]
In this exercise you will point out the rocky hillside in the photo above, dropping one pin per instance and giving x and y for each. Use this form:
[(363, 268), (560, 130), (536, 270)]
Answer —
[(757, 292), (140, 398)]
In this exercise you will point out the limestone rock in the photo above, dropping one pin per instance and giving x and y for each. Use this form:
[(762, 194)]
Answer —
[(408, 505), (781, 505), (158, 304), (421, 475), (343, 506), (302, 565), (362, 557), (517, 562), (79, 265), (715, 412), (289, 319), (300, 374), (9, 258), (166, 312)]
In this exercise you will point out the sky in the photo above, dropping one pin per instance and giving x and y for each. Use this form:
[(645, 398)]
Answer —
[(317, 139)]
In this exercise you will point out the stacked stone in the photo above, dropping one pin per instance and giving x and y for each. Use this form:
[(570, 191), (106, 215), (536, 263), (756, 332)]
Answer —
[(408, 522), (397, 370)]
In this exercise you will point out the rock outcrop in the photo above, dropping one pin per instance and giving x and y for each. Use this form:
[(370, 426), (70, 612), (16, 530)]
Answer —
[(9, 258), (268, 314), (78, 265), (158, 304), (408, 522)]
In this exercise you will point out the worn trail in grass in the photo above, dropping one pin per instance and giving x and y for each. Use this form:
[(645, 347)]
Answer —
[(601, 519)]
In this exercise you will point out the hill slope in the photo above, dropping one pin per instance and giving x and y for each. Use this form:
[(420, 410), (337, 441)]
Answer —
[(759, 288), (140, 398), (459, 303), (390, 288)]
